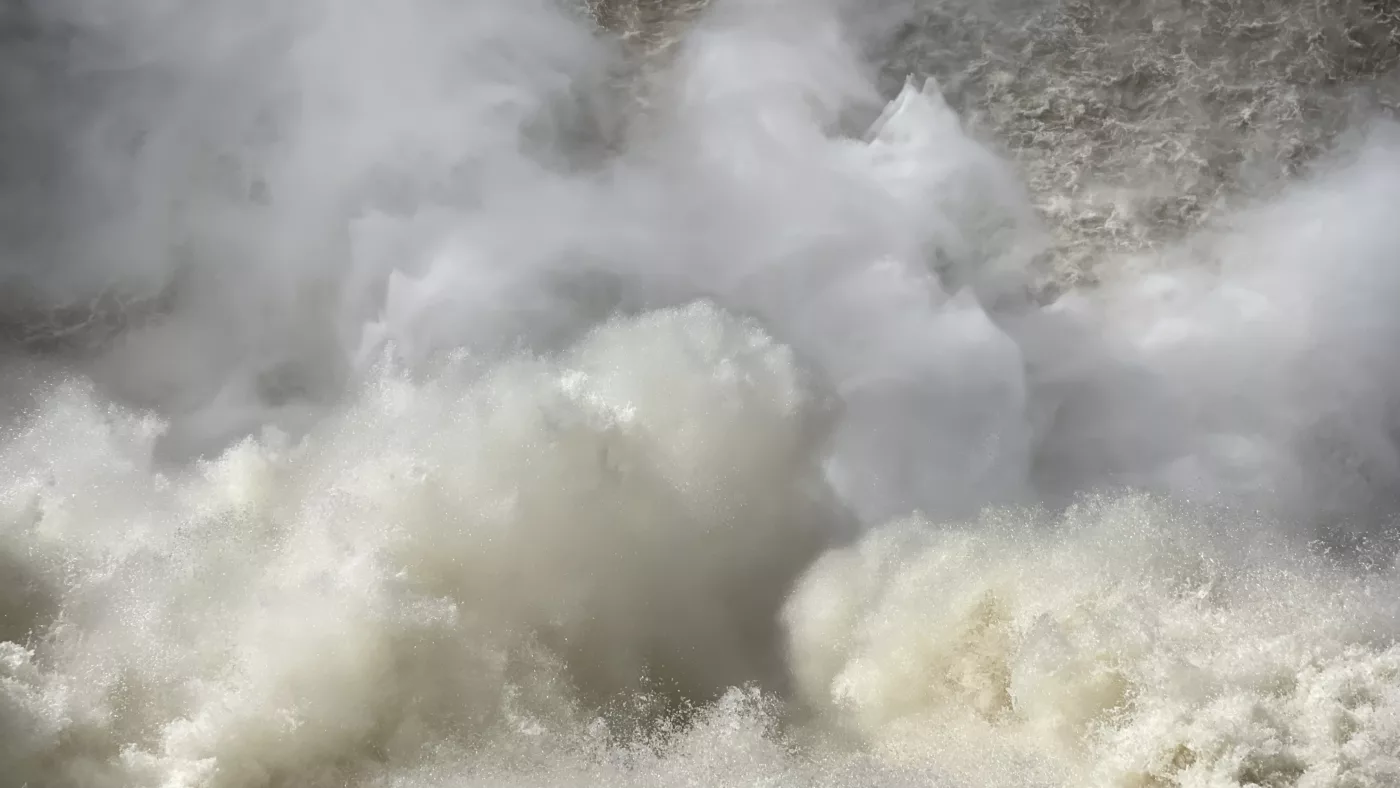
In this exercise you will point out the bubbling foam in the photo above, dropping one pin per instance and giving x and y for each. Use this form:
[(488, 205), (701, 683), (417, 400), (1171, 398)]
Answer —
[(443, 561), (547, 442), (1127, 643)]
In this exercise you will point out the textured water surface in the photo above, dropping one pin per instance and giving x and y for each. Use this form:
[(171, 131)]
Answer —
[(432, 393)]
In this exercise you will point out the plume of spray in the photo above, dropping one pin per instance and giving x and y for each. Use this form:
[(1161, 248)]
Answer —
[(477, 398)]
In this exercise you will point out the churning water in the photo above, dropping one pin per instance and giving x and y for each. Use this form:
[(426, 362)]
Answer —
[(435, 393)]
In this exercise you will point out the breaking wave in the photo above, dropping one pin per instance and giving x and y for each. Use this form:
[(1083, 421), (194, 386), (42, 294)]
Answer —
[(446, 393)]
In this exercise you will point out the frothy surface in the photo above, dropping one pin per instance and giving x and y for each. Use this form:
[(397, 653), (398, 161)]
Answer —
[(497, 424)]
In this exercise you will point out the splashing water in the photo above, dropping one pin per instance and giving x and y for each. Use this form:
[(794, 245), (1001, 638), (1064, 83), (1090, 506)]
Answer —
[(480, 408)]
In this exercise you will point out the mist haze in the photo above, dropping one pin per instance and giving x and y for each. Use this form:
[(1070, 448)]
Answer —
[(795, 392)]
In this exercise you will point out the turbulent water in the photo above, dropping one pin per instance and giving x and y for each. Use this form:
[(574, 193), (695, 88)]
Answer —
[(435, 393)]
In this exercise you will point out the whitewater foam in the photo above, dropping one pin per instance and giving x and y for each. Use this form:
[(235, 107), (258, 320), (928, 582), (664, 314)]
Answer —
[(1127, 643), (499, 431), (433, 563)]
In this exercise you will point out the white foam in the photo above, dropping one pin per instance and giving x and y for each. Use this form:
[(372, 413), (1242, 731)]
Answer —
[(440, 562), (519, 434), (1128, 644)]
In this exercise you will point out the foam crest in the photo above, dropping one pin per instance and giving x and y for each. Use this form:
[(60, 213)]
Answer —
[(502, 413), (1127, 643), (444, 559)]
